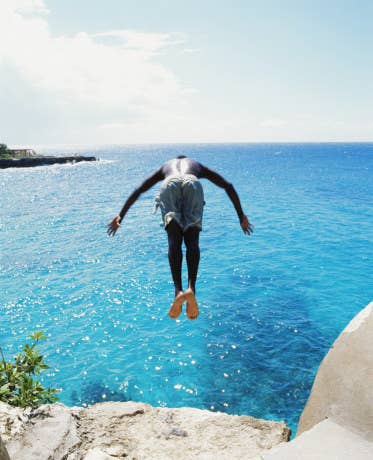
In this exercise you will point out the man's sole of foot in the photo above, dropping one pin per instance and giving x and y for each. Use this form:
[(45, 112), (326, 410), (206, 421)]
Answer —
[(192, 310), (177, 306)]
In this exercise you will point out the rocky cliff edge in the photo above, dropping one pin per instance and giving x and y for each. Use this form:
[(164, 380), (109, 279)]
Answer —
[(129, 430)]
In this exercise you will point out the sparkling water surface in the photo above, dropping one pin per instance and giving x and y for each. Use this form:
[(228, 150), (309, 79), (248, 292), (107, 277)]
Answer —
[(271, 304)]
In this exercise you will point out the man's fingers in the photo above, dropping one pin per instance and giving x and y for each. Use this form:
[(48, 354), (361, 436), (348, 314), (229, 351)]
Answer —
[(111, 231), (113, 226), (246, 225), (248, 230)]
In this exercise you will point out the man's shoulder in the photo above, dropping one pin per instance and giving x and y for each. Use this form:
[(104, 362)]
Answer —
[(196, 167)]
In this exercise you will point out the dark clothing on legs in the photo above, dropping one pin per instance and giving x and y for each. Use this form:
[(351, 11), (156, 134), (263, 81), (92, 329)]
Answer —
[(175, 254), (191, 240)]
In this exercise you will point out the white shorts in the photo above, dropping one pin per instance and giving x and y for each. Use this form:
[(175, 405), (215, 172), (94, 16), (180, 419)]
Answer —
[(181, 198)]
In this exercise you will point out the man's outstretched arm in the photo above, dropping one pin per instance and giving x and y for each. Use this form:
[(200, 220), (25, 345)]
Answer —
[(218, 180), (146, 185)]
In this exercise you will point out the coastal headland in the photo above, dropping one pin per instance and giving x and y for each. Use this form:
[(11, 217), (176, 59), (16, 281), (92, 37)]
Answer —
[(28, 158)]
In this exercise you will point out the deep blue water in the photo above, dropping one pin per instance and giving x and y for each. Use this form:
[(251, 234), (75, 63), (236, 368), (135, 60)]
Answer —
[(271, 304)]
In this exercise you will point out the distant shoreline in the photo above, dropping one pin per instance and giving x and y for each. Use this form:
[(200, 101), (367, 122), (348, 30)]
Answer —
[(31, 162)]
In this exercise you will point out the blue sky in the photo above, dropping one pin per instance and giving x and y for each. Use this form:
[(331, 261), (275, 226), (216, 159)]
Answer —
[(77, 71)]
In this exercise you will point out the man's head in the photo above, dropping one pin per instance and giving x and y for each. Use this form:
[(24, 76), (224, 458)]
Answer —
[(180, 157)]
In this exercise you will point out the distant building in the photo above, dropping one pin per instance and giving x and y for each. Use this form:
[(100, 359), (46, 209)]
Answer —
[(23, 153)]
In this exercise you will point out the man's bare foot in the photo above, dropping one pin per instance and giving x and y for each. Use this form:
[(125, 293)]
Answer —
[(192, 306), (177, 306)]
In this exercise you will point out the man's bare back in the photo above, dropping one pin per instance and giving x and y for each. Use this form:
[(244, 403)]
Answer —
[(182, 166)]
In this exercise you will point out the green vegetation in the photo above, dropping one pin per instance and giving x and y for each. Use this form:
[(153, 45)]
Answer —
[(4, 152), (18, 385)]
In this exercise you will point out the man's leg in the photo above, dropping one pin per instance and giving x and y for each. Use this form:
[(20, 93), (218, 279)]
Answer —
[(191, 239), (175, 257)]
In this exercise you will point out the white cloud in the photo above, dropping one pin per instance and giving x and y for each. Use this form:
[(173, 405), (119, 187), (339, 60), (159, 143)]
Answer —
[(28, 6), (112, 73), (112, 86), (141, 41)]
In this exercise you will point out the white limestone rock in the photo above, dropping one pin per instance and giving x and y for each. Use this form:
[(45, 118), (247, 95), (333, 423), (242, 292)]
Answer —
[(12, 421), (325, 441), (144, 432), (343, 387), (115, 430), (47, 432), (3, 451), (97, 454)]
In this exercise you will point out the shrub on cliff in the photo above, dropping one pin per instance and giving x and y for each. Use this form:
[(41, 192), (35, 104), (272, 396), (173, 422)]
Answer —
[(18, 385), (5, 152), (3, 149)]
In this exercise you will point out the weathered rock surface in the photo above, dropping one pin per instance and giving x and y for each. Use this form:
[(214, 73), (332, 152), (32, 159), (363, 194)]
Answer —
[(325, 441), (343, 388), (41, 161), (3, 451), (114, 430), (47, 432)]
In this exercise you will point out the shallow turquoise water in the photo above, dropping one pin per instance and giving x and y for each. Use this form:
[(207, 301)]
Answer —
[(271, 304)]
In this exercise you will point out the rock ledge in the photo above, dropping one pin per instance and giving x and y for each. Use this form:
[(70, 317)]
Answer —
[(118, 430), (41, 161)]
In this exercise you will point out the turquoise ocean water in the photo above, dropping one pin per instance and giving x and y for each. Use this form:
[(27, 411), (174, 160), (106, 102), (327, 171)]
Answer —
[(271, 304)]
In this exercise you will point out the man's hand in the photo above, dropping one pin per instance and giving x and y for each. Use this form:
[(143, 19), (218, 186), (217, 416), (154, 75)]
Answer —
[(113, 226), (246, 226)]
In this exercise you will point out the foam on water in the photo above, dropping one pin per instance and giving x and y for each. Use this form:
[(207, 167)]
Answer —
[(271, 305)]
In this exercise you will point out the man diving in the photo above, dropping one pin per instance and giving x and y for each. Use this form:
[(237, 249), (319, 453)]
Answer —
[(181, 202)]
